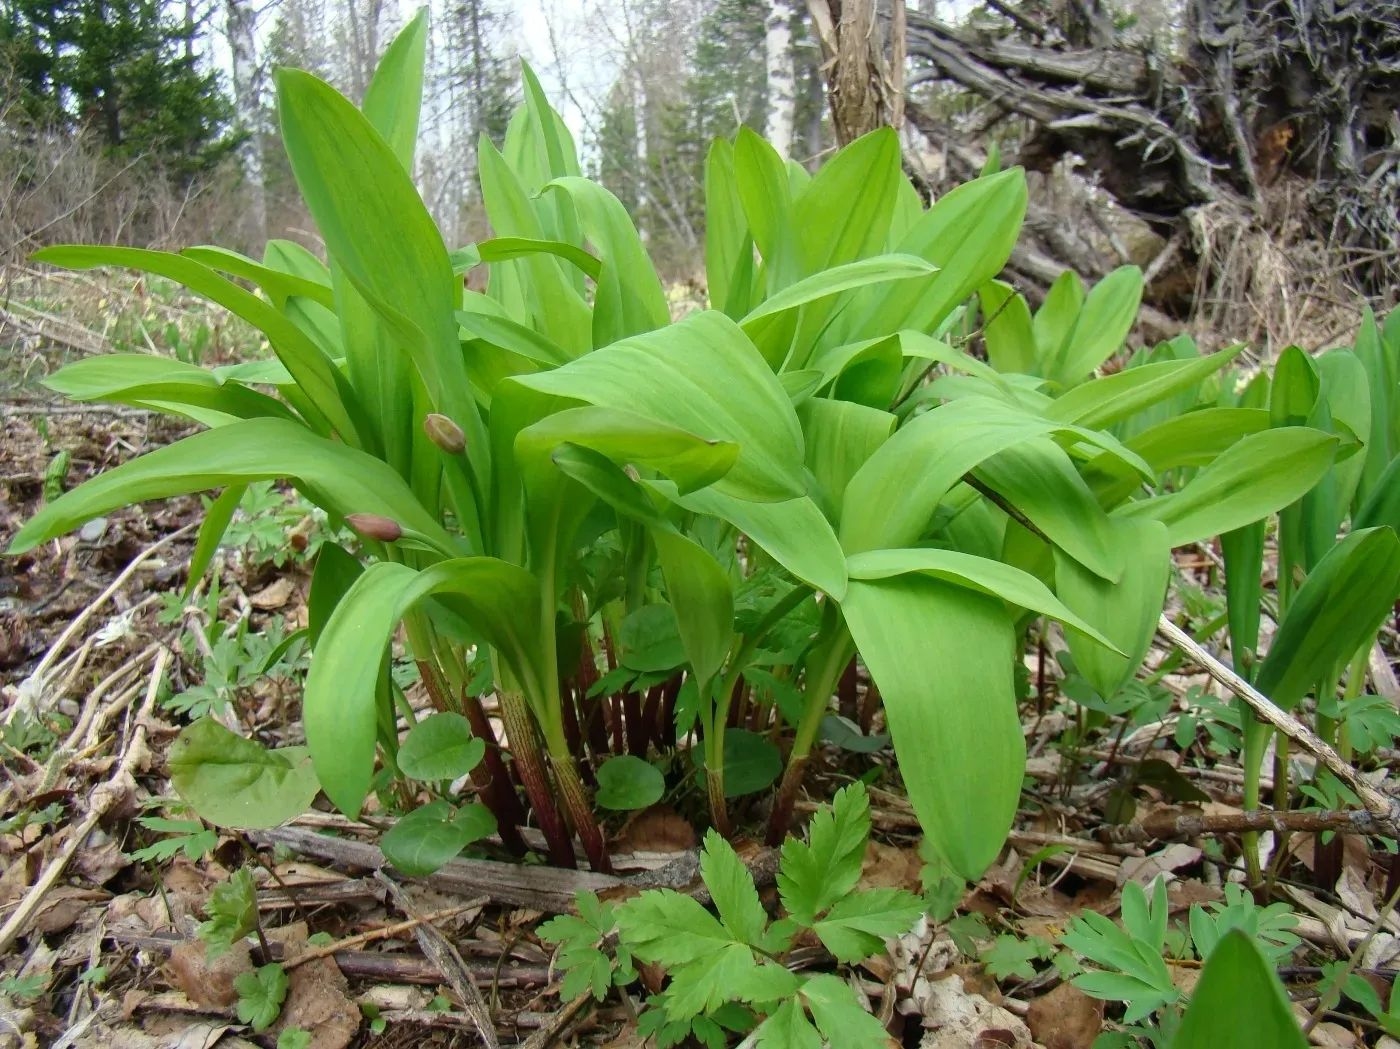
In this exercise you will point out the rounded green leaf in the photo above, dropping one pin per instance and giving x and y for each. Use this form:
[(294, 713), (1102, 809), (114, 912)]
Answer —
[(235, 782), (441, 746), (428, 837), (628, 782), (751, 763)]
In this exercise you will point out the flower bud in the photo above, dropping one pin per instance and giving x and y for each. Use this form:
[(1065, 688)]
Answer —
[(444, 433), (375, 526)]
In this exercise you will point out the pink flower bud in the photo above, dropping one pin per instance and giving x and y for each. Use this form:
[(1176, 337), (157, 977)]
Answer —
[(376, 526), (444, 433)]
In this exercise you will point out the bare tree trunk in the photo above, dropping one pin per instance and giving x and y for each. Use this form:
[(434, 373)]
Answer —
[(241, 30), (782, 94), (858, 85)]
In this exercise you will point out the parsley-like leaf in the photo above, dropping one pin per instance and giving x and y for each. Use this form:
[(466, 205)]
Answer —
[(732, 888), (858, 925), (842, 1020), (580, 939), (816, 874), (233, 913), (788, 1028), (260, 995)]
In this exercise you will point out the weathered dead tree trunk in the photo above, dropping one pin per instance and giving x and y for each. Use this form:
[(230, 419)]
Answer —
[(1260, 93)]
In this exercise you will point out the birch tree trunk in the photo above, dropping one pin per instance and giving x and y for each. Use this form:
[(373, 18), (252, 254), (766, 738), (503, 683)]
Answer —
[(247, 99), (782, 95)]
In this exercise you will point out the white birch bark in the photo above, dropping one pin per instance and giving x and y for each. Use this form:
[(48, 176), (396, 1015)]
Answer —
[(782, 93), (241, 28)]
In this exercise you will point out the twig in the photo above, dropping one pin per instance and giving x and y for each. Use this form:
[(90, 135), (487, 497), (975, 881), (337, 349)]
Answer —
[(1173, 825), (547, 1034), (81, 620), (382, 933), (104, 799), (1383, 809), (441, 952)]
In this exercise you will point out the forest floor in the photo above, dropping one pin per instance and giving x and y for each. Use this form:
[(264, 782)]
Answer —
[(103, 656)]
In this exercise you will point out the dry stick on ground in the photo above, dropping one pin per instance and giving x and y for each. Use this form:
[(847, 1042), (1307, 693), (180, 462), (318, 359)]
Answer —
[(381, 933), (440, 950), (1384, 810), (104, 798), (81, 619), (551, 1031)]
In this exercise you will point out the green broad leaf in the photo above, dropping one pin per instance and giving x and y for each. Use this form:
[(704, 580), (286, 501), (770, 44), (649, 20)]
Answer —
[(858, 924), (1382, 507), (626, 782), (732, 889), (865, 373), (236, 782), (1113, 398), (752, 763), (398, 264), (278, 285), (1258, 475), (503, 249), (1006, 328), (845, 733), (1194, 439), (439, 747), (508, 335), (1336, 612), (1124, 611), (335, 572), (629, 299), (1037, 480), (702, 376), (428, 837), (610, 483), (968, 234), (844, 213), (649, 640), (1055, 320), (1238, 992), (260, 995), (816, 874), (825, 283), (340, 709), (217, 517), (547, 292), (1243, 553), (892, 498), (795, 533), (942, 657), (703, 601), (315, 375), (395, 93), (841, 436), (1103, 323), (766, 197), (726, 233), (335, 476), (787, 1028), (840, 1017), (993, 578)]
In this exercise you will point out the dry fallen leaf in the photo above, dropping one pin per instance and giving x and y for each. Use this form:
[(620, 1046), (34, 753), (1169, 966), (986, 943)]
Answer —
[(273, 596), (1066, 1018), (208, 984)]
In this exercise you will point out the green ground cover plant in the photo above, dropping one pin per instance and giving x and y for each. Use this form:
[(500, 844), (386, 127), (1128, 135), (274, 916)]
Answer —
[(554, 483), (656, 547)]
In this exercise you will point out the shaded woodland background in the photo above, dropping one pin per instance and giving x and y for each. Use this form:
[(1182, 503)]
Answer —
[(1245, 153)]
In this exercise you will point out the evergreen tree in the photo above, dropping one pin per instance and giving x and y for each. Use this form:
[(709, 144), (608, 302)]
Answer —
[(120, 67)]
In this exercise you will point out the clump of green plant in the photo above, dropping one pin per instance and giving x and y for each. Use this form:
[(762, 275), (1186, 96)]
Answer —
[(666, 542), (1127, 963), (726, 970)]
